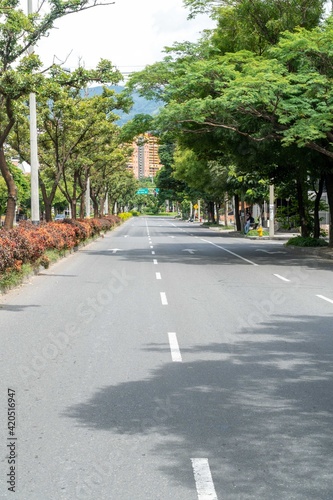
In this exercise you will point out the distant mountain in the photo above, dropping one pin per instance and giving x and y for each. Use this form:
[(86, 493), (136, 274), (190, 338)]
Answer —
[(140, 106)]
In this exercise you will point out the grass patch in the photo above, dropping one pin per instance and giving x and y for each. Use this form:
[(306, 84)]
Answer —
[(300, 241), (168, 214), (254, 232), (11, 279), (219, 226)]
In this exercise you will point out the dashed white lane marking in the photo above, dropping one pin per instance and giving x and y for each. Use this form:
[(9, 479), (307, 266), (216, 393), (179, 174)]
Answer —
[(281, 277), (174, 348), (325, 298), (164, 299), (203, 479), (153, 253), (229, 251), (155, 261), (158, 276), (151, 246)]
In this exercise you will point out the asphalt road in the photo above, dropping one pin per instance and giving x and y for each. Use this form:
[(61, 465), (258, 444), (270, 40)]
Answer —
[(166, 361)]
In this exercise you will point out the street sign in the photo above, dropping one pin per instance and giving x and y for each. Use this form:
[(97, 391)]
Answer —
[(142, 191)]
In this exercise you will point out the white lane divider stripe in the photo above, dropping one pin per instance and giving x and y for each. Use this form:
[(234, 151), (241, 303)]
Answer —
[(164, 299), (155, 261), (203, 479), (229, 251), (151, 246), (153, 253), (325, 298), (174, 348), (281, 277), (158, 276)]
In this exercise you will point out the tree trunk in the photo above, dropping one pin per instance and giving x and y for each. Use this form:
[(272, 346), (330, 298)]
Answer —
[(217, 209), (94, 200), (73, 208), (82, 205), (316, 229), (302, 209), (101, 206), (329, 188), (211, 217), (12, 191), (48, 198), (47, 202)]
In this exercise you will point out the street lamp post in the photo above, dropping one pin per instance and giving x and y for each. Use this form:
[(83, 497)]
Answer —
[(35, 217), (271, 211)]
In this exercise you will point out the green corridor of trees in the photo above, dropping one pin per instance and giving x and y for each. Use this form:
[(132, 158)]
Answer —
[(78, 137), (249, 105)]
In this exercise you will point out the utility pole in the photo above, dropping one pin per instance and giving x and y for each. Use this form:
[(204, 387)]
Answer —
[(35, 217), (271, 211)]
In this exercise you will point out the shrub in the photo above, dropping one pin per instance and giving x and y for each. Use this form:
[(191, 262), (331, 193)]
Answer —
[(81, 228), (125, 215), (7, 246), (300, 241), (27, 243)]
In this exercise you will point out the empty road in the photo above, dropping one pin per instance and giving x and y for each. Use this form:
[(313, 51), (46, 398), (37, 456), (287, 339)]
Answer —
[(167, 361)]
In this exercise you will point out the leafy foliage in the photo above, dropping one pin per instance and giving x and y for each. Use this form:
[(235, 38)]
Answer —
[(299, 241), (27, 243)]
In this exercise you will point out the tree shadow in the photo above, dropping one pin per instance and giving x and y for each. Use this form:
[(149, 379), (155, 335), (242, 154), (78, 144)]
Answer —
[(16, 308), (261, 411), (177, 253)]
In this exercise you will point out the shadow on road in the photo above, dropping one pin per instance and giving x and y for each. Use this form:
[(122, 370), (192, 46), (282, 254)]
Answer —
[(261, 410)]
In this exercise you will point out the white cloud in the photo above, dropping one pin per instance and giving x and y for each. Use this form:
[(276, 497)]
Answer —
[(131, 33)]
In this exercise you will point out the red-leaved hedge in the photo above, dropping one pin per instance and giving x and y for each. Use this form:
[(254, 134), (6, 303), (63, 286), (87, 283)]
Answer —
[(26, 243)]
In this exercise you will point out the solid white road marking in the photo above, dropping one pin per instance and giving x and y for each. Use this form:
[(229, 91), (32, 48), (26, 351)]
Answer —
[(155, 261), (164, 299), (158, 276), (174, 348), (281, 277), (203, 479), (229, 251), (325, 298)]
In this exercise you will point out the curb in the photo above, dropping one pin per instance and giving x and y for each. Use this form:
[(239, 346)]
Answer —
[(322, 253)]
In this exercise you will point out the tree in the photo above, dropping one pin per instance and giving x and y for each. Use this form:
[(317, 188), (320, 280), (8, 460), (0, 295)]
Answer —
[(70, 127), (282, 98), (20, 73)]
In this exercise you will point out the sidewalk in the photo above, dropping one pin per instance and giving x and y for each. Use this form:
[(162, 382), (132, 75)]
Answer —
[(322, 252)]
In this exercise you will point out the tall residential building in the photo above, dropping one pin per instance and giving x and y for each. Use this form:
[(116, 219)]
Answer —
[(145, 161)]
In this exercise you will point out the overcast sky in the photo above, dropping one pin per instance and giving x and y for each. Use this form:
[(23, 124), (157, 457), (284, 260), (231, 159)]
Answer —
[(130, 33)]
